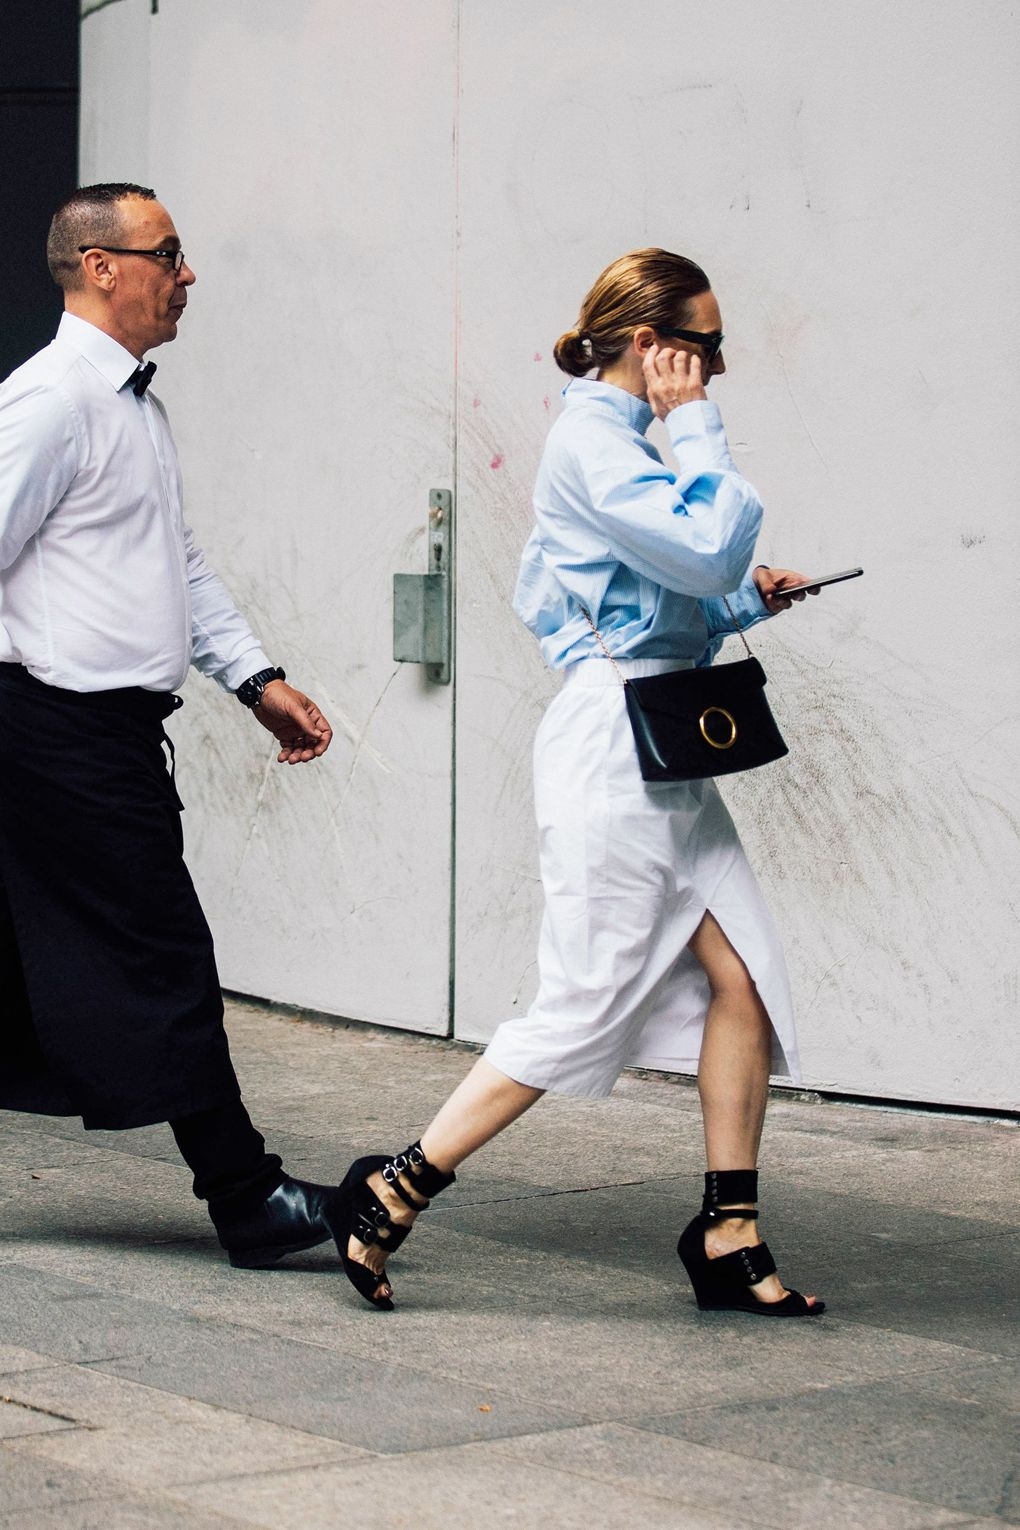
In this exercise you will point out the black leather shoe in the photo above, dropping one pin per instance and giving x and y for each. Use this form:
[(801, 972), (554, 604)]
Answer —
[(257, 1234)]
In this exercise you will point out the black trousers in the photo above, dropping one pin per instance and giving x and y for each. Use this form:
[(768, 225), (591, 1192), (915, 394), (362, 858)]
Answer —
[(110, 1004)]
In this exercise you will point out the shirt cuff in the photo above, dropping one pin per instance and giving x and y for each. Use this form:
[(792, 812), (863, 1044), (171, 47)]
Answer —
[(748, 606), (745, 604), (239, 670), (697, 437)]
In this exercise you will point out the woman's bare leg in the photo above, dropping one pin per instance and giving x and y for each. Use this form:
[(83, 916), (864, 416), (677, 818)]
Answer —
[(733, 1082), (479, 1108)]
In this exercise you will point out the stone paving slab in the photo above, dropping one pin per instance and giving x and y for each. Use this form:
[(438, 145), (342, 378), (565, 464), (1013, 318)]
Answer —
[(340, 1396), (965, 1292), (546, 1364), (122, 1513), (998, 1381), (888, 1436), (356, 1399), (69, 1320), (476, 1487), (135, 1433), (92, 1399), (28, 1485), (722, 1482), (162, 1458), (95, 1202), (561, 1331)]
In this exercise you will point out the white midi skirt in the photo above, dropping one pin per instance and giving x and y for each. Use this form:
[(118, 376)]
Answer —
[(629, 869)]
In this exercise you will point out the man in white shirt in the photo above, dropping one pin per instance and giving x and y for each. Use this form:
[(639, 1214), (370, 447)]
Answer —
[(111, 1005)]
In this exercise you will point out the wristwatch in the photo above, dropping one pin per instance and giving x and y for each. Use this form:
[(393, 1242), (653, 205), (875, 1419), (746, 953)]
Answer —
[(250, 693)]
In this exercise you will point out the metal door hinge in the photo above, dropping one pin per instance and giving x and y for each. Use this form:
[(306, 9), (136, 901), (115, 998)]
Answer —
[(423, 603)]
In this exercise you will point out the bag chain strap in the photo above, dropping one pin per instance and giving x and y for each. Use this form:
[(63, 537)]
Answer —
[(736, 627)]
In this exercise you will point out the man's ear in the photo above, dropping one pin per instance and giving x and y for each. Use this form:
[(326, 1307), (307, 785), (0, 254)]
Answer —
[(98, 272), (643, 340)]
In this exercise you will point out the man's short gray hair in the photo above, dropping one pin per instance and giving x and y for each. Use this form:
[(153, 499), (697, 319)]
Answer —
[(90, 216)]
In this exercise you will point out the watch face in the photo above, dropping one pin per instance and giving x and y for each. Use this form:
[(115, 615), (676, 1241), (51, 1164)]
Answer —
[(249, 694)]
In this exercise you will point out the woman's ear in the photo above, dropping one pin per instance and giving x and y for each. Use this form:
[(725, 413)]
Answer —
[(643, 340)]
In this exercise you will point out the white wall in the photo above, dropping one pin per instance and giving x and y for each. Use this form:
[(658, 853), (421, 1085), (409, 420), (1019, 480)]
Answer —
[(846, 175), (309, 447)]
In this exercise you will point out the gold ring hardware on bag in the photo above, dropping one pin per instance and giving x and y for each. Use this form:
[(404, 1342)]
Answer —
[(661, 709), (722, 712)]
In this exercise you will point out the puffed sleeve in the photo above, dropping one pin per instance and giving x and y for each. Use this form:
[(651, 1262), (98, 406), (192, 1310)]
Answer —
[(692, 531)]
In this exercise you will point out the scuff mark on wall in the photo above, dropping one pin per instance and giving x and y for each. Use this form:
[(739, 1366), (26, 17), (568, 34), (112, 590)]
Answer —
[(253, 825), (778, 349), (362, 746)]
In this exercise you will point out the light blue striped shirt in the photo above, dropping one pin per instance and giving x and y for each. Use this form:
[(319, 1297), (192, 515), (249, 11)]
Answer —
[(648, 551)]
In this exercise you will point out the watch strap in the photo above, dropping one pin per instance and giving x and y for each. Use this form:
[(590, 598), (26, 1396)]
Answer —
[(250, 693)]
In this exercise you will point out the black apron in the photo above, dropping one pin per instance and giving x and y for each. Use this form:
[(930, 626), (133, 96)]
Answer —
[(110, 1004)]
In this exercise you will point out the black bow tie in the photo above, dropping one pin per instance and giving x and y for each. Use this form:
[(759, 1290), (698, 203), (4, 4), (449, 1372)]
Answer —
[(142, 377)]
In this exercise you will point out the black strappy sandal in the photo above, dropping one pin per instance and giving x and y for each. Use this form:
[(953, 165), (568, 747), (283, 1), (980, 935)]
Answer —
[(359, 1214), (721, 1285)]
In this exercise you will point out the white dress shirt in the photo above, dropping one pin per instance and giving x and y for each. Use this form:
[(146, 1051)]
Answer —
[(649, 552), (101, 583)]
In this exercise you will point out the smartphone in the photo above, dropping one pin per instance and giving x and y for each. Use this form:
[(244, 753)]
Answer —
[(814, 584)]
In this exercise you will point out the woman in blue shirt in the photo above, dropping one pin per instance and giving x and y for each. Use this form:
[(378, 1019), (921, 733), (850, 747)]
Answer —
[(655, 939)]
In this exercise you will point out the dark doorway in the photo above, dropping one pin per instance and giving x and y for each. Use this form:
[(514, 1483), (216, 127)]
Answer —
[(39, 156)]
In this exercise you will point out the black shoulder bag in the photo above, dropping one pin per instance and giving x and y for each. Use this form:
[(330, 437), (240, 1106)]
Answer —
[(693, 723)]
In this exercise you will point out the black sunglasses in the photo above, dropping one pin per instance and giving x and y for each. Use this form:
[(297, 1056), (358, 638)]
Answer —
[(177, 256), (711, 342)]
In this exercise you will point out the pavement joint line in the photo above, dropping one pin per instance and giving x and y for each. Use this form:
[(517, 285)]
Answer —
[(145, 1386), (65, 1418), (56, 1240), (994, 1230), (981, 1355), (726, 1522), (88, 1365), (55, 1168), (103, 1147), (545, 1194), (362, 1457), (814, 1390)]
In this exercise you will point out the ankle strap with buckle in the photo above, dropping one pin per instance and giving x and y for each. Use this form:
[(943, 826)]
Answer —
[(423, 1176)]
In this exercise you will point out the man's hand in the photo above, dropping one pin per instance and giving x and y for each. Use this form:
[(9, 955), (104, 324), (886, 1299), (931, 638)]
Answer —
[(770, 582), (673, 378), (295, 721)]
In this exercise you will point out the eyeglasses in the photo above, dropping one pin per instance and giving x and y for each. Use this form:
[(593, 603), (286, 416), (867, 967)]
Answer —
[(176, 256), (711, 342)]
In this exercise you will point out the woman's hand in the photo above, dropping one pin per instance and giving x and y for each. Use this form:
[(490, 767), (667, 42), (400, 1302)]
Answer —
[(673, 378), (770, 582)]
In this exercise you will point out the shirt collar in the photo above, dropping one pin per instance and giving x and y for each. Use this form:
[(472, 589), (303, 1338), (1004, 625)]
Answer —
[(105, 353), (636, 411)]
